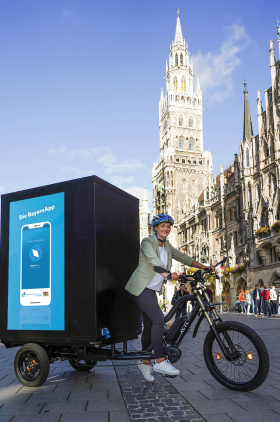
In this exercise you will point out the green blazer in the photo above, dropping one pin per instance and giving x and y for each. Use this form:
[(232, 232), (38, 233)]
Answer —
[(149, 256)]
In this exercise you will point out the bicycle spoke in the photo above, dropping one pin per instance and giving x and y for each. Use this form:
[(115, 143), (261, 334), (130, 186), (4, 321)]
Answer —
[(240, 369)]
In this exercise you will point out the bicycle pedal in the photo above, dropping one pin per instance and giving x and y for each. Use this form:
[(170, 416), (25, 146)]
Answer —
[(170, 376)]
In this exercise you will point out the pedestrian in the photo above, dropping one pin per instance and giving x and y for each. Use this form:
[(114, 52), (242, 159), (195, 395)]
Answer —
[(273, 300), (257, 300), (252, 301), (248, 301), (242, 300), (266, 304), (177, 295)]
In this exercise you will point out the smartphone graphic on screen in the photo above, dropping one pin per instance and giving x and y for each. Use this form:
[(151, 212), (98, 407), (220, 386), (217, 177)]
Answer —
[(35, 264)]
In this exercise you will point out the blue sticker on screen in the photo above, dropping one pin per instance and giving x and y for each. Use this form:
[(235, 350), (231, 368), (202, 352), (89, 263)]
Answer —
[(36, 264)]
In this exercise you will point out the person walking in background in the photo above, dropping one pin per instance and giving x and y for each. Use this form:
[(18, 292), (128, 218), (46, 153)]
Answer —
[(257, 300), (252, 301), (266, 304), (248, 301), (242, 300), (273, 300)]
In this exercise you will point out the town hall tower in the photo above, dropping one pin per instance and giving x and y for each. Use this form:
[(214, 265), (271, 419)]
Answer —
[(185, 169)]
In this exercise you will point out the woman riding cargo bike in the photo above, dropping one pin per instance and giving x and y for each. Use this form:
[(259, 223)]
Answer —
[(234, 354)]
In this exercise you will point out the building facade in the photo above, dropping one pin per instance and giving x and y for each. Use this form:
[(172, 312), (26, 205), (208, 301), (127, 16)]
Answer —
[(237, 213), (144, 216), (184, 166)]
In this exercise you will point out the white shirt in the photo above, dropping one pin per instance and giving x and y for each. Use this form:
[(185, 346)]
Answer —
[(273, 294), (157, 280)]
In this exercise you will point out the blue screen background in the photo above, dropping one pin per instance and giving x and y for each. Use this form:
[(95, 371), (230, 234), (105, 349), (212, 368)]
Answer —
[(36, 274), (19, 315)]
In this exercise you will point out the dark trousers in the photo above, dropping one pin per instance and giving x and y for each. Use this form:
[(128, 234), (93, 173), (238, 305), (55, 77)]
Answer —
[(266, 307), (180, 311), (257, 307), (274, 306), (153, 320)]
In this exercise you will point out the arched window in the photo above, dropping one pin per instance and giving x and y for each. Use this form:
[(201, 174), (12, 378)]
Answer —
[(175, 83), (190, 84), (181, 59), (191, 144), (198, 102), (183, 99), (188, 100), (167, 181), (190, 122), (176, 59), (184, 184), (181, 120), (247, 158), (183, 84), (181, 143)]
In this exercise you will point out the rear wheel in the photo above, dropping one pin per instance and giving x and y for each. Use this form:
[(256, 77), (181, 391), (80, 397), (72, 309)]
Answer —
[(249, 365), (81, 365), (32, 365)]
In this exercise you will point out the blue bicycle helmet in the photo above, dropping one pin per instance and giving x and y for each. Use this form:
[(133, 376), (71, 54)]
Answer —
[(160, 218)]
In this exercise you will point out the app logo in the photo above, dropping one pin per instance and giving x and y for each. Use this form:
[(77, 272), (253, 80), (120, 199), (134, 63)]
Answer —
[(23, 294), (45, 293), (35, 253)]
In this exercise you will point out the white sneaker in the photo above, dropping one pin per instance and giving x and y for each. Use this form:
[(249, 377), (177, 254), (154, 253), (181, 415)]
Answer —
[(165, 368), (146, 371)]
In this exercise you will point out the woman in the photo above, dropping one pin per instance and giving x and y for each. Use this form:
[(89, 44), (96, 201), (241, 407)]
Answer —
[(273, 300), (248, 301), (143, 285)]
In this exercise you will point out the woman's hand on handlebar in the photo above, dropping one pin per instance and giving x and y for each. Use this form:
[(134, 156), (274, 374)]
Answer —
[(174, 276), (212, 267)]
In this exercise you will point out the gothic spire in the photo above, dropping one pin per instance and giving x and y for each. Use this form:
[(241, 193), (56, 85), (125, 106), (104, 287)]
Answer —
[(178, 32), (247, 123)]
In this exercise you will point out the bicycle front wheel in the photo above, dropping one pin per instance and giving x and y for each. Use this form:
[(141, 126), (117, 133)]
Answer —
[(248, 370)]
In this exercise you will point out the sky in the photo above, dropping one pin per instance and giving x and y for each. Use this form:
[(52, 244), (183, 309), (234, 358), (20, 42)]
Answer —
[(80, 83)]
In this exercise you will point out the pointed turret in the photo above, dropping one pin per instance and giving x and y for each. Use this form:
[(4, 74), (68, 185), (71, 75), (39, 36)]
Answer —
[(198, 89), (166, 68), (161, 94), (247, 123), (178, 33)]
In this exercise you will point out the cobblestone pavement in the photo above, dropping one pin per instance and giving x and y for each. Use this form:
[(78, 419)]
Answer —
[(118, 393)]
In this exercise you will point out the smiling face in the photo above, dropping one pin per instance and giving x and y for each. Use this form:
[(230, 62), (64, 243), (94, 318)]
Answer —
[(163, 229)]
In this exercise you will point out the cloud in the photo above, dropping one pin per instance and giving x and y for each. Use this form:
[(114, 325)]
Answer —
[(62, 150), (111, 165), (215, 68), (139, 192), (67, 15), (66, 169), (120, 181), (88, 152)]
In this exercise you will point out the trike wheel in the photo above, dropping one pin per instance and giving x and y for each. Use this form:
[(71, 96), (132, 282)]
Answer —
[(81, 365), (250, 360), (32, 365)]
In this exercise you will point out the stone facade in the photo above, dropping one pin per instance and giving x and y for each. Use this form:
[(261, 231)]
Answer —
[(217, 217), (184, 167)]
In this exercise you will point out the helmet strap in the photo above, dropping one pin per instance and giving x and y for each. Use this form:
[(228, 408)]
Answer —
[(160, 239)]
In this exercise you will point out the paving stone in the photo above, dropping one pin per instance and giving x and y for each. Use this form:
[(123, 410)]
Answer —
[(65, 406), (215, 406), (21, 409), (86, 417), (254, 416), (220, 417), (108, 404), (37, 418), (255, 403)]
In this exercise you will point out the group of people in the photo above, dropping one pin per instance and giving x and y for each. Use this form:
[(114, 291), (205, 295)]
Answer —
[(260, 302)]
